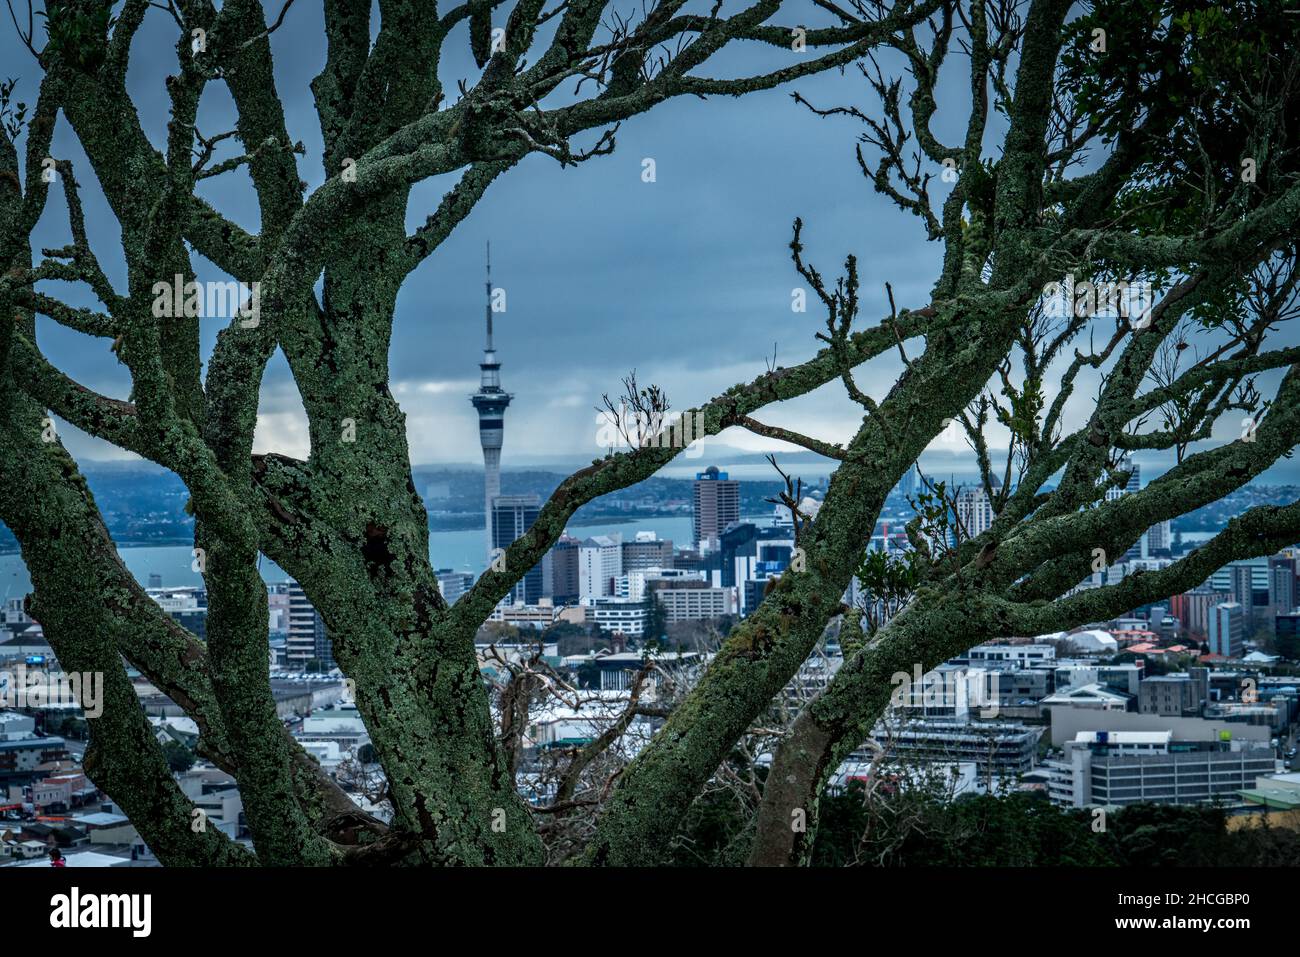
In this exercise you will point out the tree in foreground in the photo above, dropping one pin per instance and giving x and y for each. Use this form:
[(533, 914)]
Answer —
[(1123, 146)]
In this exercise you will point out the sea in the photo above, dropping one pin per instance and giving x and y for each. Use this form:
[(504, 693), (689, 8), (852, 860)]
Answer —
[(460, 550)]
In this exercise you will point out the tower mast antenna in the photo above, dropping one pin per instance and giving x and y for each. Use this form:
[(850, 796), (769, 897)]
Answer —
[(487, 296)]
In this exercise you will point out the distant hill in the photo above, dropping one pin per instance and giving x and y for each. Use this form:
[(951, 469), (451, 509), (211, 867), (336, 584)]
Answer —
[(145, 505)]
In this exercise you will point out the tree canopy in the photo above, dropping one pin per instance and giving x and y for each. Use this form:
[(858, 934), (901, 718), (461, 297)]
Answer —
[(1136, 160)]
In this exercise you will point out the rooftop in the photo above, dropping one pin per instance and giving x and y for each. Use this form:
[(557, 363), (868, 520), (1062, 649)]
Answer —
[(1126, 737), (1280, 799)]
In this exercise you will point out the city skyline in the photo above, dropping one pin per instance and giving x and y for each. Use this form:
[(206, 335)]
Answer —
[(902, 402)]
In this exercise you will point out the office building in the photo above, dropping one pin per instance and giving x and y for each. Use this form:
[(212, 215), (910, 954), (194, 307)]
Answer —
[(906, 486), (1123, 678), (1022, 655), (1115, 768), (694, 603), (997, 748), (647, 551), (187, 606), (619, 616), (539, 617), (563, 584), (1177, 695), (453, 584), (1243, 592), (717, 505), (974, 511), (1160, 540), (636, 584), (600, 561), (1193, 609), (307, 643), (1282, 584), (1227, 629), (512, 517)]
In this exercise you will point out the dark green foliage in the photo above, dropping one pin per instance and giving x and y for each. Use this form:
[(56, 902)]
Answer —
[(714, 833), (72, 727), (1201, 77), (179, 758), (910, 830), (915, 828), (656, 626), (1195, 71), (13, 114), (78, 32), (890, 578), (1288, 646), (1159, 835)]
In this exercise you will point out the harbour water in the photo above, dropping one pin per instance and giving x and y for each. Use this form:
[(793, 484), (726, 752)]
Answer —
[(461, 550)]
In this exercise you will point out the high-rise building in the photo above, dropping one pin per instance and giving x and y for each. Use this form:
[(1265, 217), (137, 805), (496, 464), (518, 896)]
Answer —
[(1193, 608), (307, 639), (732, 542), (717, 505), (1287, 630), (490, 401), (1140, 549), (647, 551), (453, 584), (906, 486), (1222, 579), (511, 517), (974, 511), (1282, 584), (324, 647), (1160, 539), (600, 561), (1227, 629), (277, 606), (563, 585), (1134, 482), (187, 606), (1243, 592), (1243, 584)]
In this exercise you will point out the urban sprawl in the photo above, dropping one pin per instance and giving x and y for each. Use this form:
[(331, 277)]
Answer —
[(1186, 701), (1190, 700)]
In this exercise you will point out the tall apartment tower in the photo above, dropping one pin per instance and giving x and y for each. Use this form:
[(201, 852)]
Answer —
[(1141, 548), (717, 505), (974, 511), (307, 639), (1282, 596), (1243, 591), (564, 570), (906, 486), (1227, 628), (490, 402)]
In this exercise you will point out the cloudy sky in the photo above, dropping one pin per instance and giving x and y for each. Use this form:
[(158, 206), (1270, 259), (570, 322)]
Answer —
[(686, 279)]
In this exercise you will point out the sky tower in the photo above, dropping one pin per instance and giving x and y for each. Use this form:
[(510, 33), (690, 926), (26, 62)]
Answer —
[(491, 402)]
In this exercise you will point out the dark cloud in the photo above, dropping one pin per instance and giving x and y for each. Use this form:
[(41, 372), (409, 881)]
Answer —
[(686, 279)]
